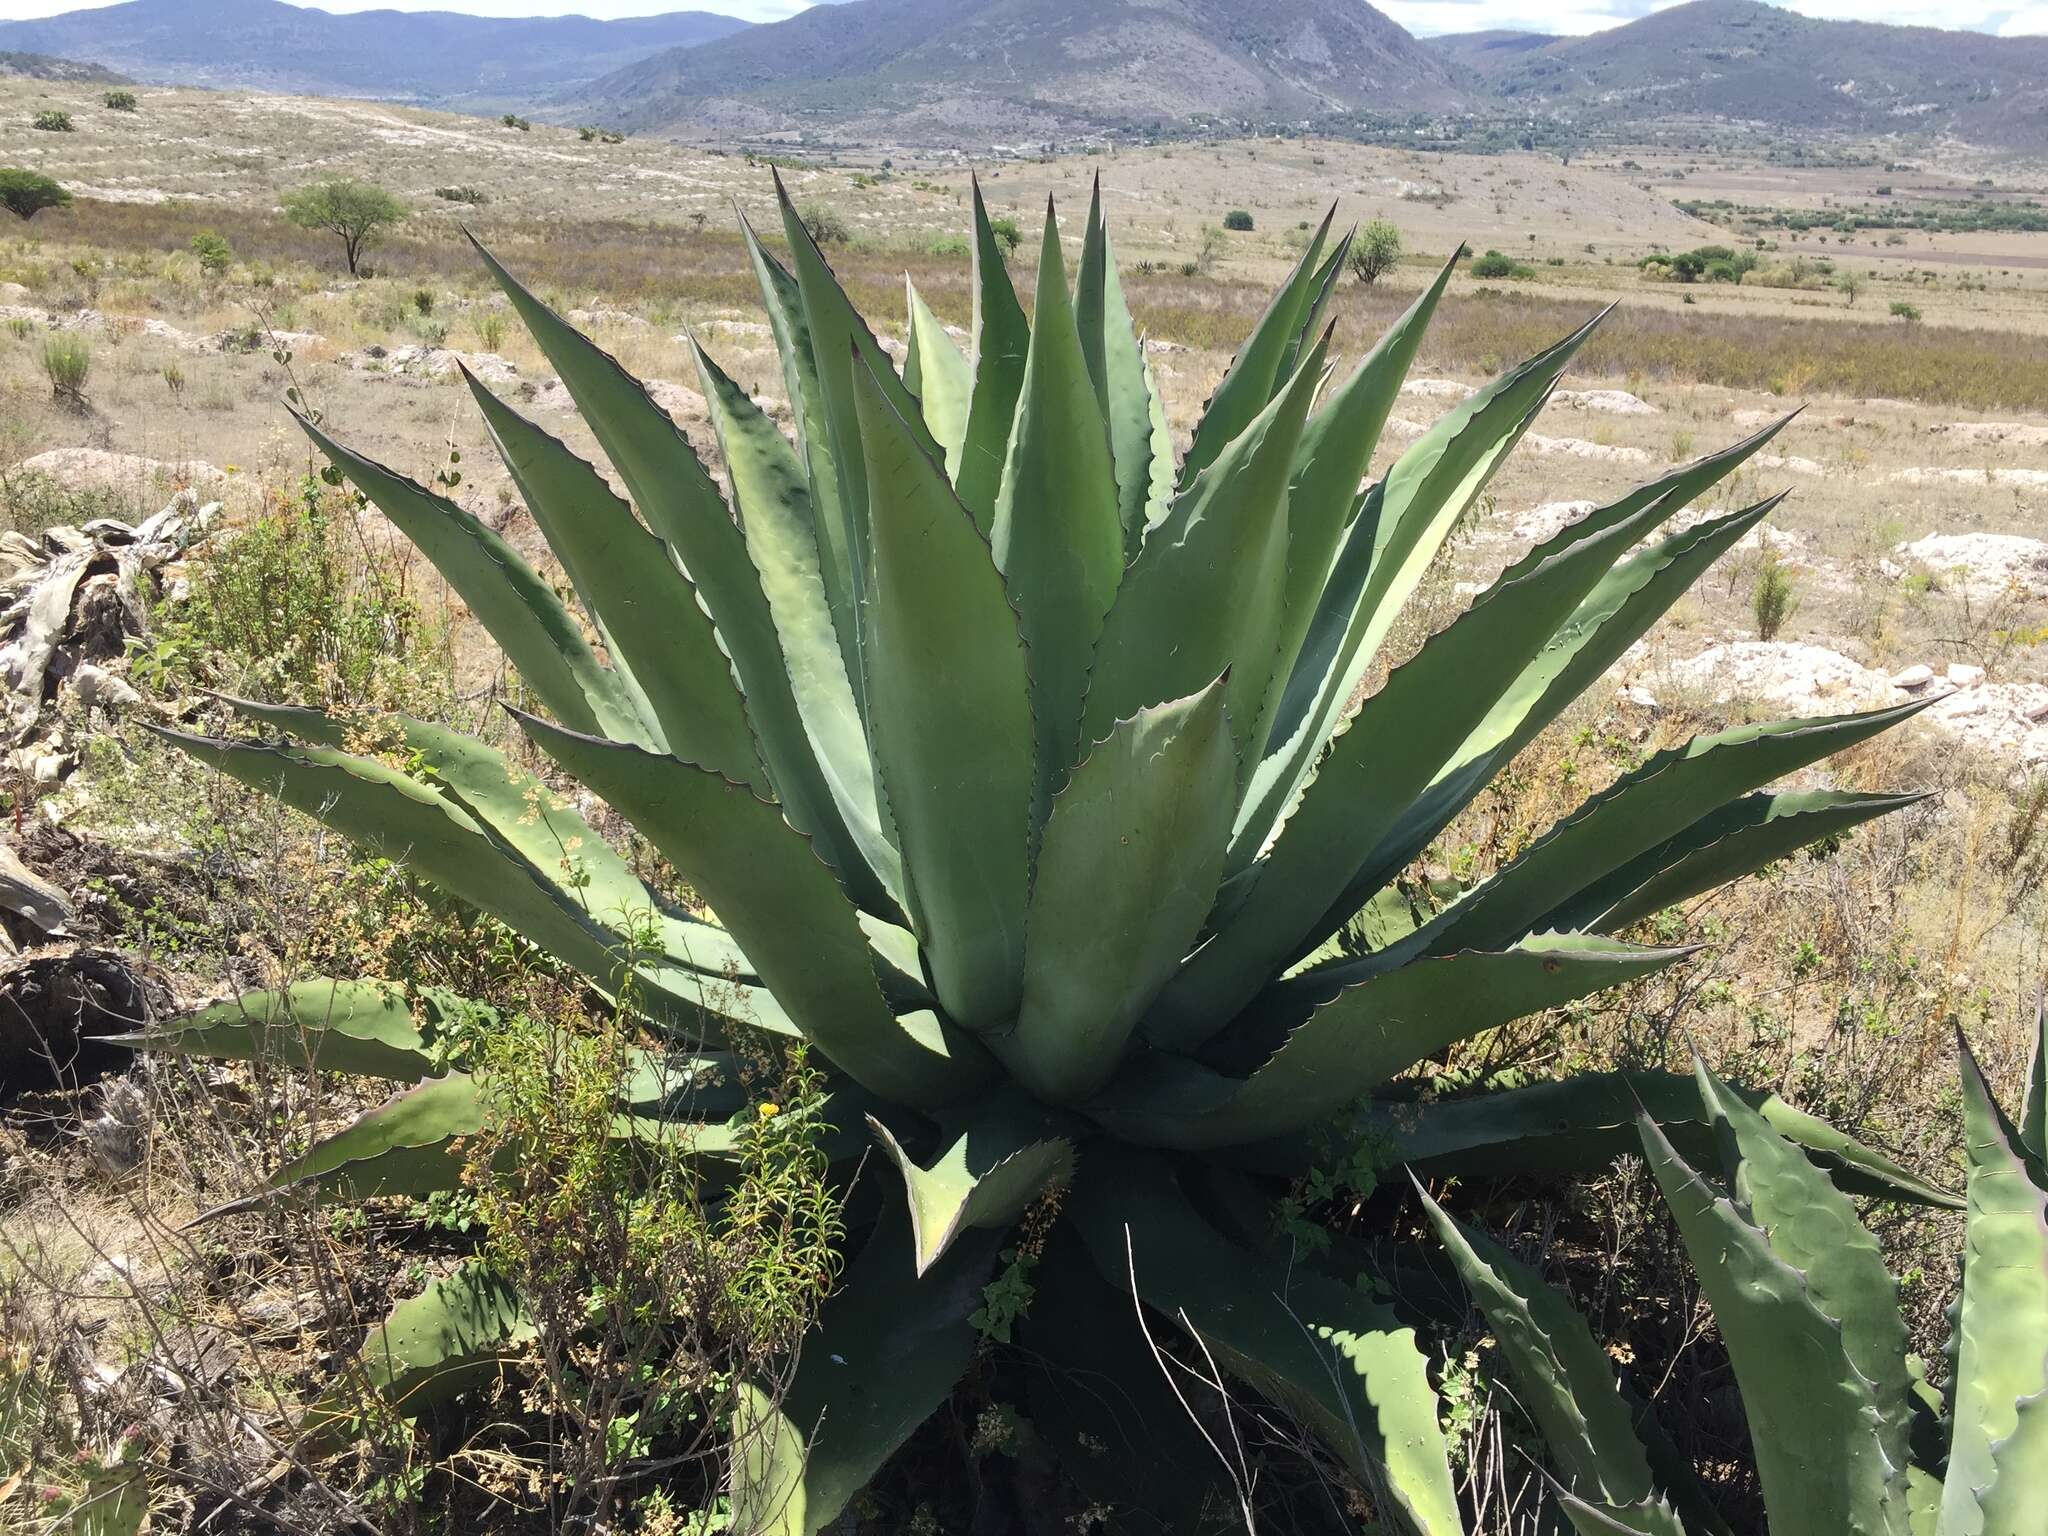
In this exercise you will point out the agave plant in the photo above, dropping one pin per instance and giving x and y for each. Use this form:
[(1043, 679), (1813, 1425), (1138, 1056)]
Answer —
[(1025, 771), (1848, 1433)]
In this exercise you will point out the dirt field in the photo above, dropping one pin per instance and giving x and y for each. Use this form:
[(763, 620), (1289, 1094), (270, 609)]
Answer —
[(1915, 537)]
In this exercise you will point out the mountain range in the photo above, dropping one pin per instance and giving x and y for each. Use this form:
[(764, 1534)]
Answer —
[(933, 69), (440, 58), (1739, 61), (978, 73)]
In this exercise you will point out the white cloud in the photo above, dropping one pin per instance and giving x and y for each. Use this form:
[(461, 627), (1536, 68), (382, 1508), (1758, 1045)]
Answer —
[(2031, 22)]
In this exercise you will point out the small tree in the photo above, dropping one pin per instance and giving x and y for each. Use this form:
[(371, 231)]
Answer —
[(1904, 311), (1772, 600), (214, 253), (67, 359), (26, 193), (354, 210), (1375, 251), (1850, 284), (119, 101), (1238, 221), (1007, 232)]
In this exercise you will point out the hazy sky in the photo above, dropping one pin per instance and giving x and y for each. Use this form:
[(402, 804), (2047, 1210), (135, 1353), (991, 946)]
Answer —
[(1425, 17)]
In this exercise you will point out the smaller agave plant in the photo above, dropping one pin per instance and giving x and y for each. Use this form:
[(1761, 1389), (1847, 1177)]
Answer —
[(1848, 1433), (1030, 777)]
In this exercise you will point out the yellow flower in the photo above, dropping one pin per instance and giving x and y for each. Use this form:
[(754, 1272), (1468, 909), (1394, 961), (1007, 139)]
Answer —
[(770, 1111)]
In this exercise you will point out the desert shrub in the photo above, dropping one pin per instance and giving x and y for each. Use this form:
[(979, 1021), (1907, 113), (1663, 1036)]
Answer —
[(31, 501), (948, 247), (67, 360), (514, 120), (1007, 233), (53, 121), (214, 253), (26, 193), (1238, 221), (1375, 251), (472, 196), (423, 301), (119, 101), (825, 225), (650, 1303), (1496, 265), (291, 608), (174, 379), (490, 330), (1772, 599), (1901, 310)]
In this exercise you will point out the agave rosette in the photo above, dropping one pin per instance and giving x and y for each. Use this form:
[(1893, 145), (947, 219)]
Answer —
[(1026, 773)]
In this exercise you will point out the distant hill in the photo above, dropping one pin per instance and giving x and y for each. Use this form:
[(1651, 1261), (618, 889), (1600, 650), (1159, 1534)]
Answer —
[(1754, 63), (437, 57), (41, 66), (1489, 52), (967, 71)]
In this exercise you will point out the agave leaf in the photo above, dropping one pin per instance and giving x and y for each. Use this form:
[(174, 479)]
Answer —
[(951, 722), (1395, 534), (995, 1165), (771, 890), (1126, 874), (2003, 1311), (1386, 755), (2034, 1106), (1254, 378), (1813, 1228), (538, 829), (790, 325), (843, 347), (1056, 536), (1221, 552), (1652, 1517), (458, 1333), (1362, 1039), (780, 527), (372, 1028), (937, 372), (1625, 603), (1736, 840), (1336, 447), (2019, 1479), (644, 607), (1813, 1420), (1140, 440), (1340, 1363), (396, 817), (405, 1146), (1639, 811), (1322, 289), (1002, 341), (886, 1352), (537, 634), (1581, 1125), (683, 505), (1566, 1379)]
